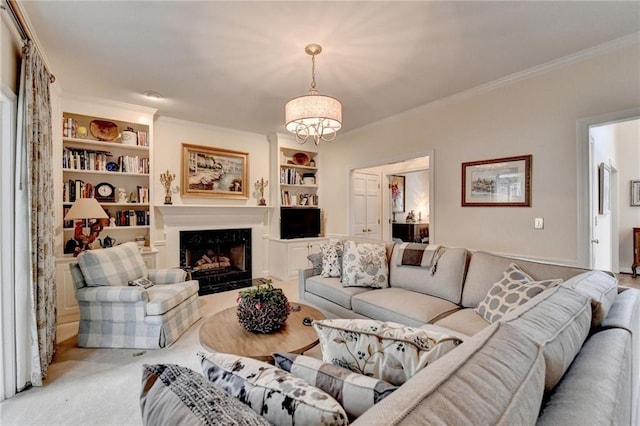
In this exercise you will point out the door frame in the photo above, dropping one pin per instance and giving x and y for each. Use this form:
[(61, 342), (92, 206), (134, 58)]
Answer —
[(584, 201), (385, 215), (8, 117)]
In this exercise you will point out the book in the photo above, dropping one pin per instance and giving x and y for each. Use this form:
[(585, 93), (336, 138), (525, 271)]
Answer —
[(141, 282)]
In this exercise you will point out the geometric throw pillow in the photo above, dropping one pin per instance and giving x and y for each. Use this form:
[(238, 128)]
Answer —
[(514, 289), (385, 350), (365, 265), (276, 395), (173, 395), (355, 392), (331, 259)]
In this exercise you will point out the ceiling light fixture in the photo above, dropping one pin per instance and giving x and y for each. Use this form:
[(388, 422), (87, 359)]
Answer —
[(313, 115), (152, 94)]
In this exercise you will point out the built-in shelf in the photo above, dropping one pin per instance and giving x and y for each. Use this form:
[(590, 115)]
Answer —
[(89, 143)]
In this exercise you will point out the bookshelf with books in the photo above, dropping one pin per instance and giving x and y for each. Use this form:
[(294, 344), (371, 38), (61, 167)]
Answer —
[(297, 180), (107, 159)]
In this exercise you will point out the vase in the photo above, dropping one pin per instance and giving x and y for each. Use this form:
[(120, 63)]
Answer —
[(263, 310)]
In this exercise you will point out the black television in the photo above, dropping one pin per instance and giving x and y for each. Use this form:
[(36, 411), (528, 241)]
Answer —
[(299, 222)]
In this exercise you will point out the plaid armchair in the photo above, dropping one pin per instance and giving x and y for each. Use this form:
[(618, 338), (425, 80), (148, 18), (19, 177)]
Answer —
[(114, 314)]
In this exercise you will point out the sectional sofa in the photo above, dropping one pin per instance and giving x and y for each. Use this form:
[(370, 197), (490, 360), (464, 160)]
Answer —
[(567, 356)]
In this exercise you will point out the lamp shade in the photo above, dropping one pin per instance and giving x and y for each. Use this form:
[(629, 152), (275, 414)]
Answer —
[(318, 113), (86, 208)]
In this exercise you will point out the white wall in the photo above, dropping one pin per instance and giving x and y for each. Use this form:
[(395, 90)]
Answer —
[(532, 116), (9, 54), (170, 134), (417, 193)]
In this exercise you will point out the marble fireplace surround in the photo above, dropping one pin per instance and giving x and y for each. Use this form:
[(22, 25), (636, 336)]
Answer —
[(190, 217)]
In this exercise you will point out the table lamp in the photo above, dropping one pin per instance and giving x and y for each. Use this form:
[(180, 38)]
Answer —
[(84, 208)]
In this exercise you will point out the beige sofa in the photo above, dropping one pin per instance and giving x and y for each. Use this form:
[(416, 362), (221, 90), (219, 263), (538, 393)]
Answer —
[(568, 356)]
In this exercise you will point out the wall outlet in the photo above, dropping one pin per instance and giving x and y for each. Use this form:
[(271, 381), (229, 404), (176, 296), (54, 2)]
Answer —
[(538, 223)]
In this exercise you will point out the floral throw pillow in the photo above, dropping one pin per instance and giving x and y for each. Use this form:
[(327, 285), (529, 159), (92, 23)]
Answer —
[(365, 265), (276, 395), (514, 289), (385, 350), (331, 259)]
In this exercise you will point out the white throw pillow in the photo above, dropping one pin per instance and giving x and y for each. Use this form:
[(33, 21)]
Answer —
[(384, 350), (514, 289), (365, 265)]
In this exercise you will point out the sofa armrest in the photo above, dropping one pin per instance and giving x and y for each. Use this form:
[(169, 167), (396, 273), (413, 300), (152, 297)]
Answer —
[(303, 274), (167, 276), (112, 294)]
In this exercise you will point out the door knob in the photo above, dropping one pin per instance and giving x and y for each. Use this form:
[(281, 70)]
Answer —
[(595, 241)]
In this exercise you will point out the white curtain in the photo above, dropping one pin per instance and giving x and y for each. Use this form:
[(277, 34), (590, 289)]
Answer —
[(34, 228)]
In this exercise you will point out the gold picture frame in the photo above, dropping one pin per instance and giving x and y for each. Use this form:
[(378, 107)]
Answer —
[(210, 172), (500, 182)]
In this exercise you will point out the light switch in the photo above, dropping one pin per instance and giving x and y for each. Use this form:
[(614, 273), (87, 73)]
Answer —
[(538, 223)]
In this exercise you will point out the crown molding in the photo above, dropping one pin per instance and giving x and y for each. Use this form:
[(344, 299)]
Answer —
[(602, 49)]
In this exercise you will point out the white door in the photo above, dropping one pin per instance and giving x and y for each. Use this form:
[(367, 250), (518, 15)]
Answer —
[(365, 205), (602, 206)]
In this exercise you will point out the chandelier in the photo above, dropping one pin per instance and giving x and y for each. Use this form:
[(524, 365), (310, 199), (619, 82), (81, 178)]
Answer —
[(313, 115)]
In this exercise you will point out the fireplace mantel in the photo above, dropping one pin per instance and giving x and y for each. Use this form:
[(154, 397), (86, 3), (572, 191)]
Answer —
[(195, 214), (184, 217)]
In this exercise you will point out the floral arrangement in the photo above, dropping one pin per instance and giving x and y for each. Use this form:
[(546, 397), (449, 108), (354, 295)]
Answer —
[(263, 308)]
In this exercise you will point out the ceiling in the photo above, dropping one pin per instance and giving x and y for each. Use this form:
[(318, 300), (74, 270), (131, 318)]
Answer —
[(235, 64)]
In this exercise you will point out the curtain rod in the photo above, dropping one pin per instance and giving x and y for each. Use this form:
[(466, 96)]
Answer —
[(11, 6)]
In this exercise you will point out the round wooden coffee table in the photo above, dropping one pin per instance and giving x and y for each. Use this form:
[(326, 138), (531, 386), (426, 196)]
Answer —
[(222, 332)]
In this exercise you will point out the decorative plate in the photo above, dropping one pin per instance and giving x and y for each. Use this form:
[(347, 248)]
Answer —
[(104, 130), (112, 167), (300, 158)]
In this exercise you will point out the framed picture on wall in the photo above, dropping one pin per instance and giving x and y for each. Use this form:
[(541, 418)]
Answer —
[(635, 193), (604, 189), (500, 182), (214, 172), (397, 194)]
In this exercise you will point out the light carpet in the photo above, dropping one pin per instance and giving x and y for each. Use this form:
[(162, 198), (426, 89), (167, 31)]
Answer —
[(102, 386)]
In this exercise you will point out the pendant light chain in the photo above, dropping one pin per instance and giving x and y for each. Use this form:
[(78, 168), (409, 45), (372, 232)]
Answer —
[(313, 72)]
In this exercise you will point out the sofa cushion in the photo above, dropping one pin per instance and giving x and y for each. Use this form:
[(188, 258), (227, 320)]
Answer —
[(331, 259), (278, 396), (174, 395), (400, 305), (331, 289), (514, 289), (486, 268), (466, 321), (443, 279), (114, 266), (625, 311), (365, 265), (495, 377), (558, 320), (388, 351), (601, 287), (355, 392), (596, 390), (164, 297)]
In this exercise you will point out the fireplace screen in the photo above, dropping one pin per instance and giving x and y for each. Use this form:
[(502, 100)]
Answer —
[(219, 259)]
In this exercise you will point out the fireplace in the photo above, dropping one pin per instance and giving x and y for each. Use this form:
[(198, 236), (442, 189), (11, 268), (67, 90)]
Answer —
[(219, 259)]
